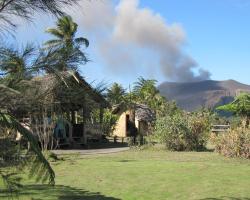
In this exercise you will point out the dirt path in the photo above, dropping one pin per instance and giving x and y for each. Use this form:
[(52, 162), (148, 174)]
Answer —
[(91, 151)]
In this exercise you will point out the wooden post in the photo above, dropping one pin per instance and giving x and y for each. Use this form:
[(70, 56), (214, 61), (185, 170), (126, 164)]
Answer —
[(101, 113), (76, 117), (73, 117), (84, 116)]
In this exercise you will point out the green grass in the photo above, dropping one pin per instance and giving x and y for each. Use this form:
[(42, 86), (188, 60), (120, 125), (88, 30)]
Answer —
[(145, 175)]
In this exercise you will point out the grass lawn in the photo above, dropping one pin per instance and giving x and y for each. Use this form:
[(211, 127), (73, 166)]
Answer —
[(145, 175)]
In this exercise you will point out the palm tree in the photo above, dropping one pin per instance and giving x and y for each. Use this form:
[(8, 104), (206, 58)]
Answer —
[(66, 46), (116, 94), (145, 90), (25, 9), (65, 34), (34, 158), (16, 65)]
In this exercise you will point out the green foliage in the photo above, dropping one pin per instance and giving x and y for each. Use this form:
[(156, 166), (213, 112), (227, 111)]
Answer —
[(12, 183), (182, 132), (16, 65), (9, 152), (40, 167), (116, 94), (171, 131), (145, 91), (235, 143), (65, 34), (240, 106), (65, 45), (25, 9), (109, 122)]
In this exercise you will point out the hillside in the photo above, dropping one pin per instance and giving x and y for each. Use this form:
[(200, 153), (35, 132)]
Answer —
[(193, 95)]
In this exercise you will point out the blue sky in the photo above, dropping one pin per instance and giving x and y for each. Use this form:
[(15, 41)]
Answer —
[(217, 38)]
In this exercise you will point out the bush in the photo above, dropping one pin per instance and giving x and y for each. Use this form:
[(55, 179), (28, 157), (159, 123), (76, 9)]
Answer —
[(199, 127), (235, 143), (109, 122), (183, 132)]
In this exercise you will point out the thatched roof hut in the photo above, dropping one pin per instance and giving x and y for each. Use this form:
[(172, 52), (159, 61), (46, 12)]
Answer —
[(135, 119), (144, 113), (66, 92)]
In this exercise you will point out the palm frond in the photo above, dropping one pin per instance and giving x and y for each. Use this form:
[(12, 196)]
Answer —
[(40, 166), (55, 32), (26, 8), (82, 41), (53, 44), (11, 182)]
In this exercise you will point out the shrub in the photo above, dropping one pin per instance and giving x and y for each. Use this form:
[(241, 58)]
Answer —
[(199, 126), (235, 143), (109, 122), (183, 132)]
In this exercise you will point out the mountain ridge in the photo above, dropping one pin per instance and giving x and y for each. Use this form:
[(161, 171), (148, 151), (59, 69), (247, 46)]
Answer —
[(208, 93)]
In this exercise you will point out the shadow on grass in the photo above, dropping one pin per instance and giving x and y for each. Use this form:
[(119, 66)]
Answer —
[(59, 192), (126, 161), (106, 145), (96, 145), (227, 198)]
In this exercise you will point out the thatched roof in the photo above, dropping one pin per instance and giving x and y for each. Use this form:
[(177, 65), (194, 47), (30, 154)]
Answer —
[(66, 91), (144, 113), (67, 87)]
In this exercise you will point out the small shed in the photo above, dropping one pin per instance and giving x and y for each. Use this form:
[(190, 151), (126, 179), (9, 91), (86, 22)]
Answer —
[(133, 121)]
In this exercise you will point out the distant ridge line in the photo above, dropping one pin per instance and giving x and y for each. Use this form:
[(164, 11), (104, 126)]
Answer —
[(209, 93)]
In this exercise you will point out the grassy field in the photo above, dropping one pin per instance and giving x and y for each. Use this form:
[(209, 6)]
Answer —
[(145, 175)]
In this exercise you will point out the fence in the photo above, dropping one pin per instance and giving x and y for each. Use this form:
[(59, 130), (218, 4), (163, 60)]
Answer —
[(220, 128)]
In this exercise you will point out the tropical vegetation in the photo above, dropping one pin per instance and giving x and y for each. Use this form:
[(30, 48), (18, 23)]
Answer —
[(184, 131), (17, 67)]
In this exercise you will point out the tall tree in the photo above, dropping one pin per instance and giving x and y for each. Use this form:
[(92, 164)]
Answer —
[(116, 94), (145, 90), (65, 33), (65, 43), (15, 64)]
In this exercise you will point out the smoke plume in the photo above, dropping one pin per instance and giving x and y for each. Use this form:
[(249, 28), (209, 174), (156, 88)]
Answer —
[(125, 31)]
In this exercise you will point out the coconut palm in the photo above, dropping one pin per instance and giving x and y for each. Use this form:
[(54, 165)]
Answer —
[(145, 90), (116, 94), (33, 158), (65, 46), (65, 34), (16, 65)]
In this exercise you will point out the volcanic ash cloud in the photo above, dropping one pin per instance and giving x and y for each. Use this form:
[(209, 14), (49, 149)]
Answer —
[(126, 30)]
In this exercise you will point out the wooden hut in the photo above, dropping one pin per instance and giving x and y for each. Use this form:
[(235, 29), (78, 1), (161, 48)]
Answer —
[(62, 103), (133, 121)]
